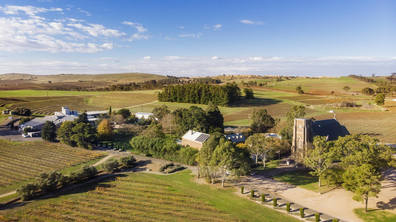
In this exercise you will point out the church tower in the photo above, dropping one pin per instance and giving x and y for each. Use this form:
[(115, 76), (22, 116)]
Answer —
[(302, 136)]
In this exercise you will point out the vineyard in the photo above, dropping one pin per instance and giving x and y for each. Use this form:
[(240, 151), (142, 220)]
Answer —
[(147, 197), (377, 124), (22, 161)]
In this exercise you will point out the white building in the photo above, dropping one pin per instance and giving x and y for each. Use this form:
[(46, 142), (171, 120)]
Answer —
[(194, 139), (141, 115)]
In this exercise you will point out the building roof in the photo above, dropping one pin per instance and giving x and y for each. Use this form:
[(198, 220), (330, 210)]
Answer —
[(236, 138), (34, 123), (329, 127), (144, 114), (196, 136), (96, 112)]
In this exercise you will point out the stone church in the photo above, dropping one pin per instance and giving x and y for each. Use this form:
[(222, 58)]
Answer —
[(305, 130)]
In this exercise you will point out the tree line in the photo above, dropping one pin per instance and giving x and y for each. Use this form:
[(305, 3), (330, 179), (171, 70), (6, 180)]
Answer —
[(197, 93)]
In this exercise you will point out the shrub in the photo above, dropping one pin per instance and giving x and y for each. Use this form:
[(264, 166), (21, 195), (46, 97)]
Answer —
[(288, 207), (367, 91), (27, 191), (252, 193), (242, 190), (24, 120), (380, 99), (263, 198), (302, 212), (176, 168), (317, 217), (86, 171), (275, 201), (166, 166), (300, 91), (23, 111), (48, 181), (128, 161), (335, 220), (298, 88), (110, 165)]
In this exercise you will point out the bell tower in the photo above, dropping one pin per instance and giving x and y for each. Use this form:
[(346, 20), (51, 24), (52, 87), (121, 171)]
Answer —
[(302, 136)]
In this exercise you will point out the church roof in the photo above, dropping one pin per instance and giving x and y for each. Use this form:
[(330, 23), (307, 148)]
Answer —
[(329, 127)]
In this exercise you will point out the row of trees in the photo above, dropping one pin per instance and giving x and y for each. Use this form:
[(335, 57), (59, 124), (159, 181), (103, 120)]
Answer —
[(51, 180), (198, 93), (355, 161)]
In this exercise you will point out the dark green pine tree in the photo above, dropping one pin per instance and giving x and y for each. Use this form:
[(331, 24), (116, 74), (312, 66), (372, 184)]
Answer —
[(48, 133)]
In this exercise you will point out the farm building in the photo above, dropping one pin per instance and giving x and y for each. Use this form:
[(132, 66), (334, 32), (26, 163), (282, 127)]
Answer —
[(236, 138), (6, 111), (37, 124), (141, 115), (305, 130), (194, 139)]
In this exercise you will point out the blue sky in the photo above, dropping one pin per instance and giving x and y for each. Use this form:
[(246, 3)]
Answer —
[(198, 38)]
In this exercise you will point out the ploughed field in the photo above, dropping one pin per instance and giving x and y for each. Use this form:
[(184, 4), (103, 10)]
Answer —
[(23, 161), (148, 197)]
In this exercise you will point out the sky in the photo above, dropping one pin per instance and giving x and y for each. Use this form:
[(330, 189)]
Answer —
[(198, 38)]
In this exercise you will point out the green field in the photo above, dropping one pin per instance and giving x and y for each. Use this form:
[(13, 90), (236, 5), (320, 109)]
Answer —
[(303, 179), (375, 215), (148, 197), (23, 161)]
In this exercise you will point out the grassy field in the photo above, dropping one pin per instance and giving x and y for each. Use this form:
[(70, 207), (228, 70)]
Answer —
[(322, 86), (303, 179), (148, 197), (23, 161), (375, 215)]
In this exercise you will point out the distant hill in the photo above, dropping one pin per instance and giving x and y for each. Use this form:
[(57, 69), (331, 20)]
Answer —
[(61, 78)]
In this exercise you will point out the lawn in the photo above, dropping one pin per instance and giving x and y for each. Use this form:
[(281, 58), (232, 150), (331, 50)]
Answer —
[(43, 93), (23, 161), (273, 164), (148, 197), (304, 180), (375, 215)]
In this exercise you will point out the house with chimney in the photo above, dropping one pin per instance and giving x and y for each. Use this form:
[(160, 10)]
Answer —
[(194, 139)]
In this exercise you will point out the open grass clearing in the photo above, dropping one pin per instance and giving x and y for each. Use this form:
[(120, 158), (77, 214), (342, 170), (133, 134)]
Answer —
[(148, 197), (375, 215), (24, 161), (273, 164), (304, 180)]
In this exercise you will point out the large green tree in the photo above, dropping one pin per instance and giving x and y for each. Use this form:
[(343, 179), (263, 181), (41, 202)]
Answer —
[(85, 135), (214, 118), (380, 99), (294, 112), (65, 133), (48, 133), (160, 112), (262, 121), (154, 131), (363, 181), (320, 157), (82, 118), (124, 113)]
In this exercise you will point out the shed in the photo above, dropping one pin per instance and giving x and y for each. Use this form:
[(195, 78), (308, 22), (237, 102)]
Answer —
[(194, 139)]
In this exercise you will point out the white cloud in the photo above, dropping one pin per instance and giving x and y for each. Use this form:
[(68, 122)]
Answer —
[(181, 27), (170, 39), (147, 57), (37, 33), (191, 35), (214, 27), (215, 57), (28, 10), (44, 0), (247, 21), (87, 13), (138, 26), (257, 58)]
